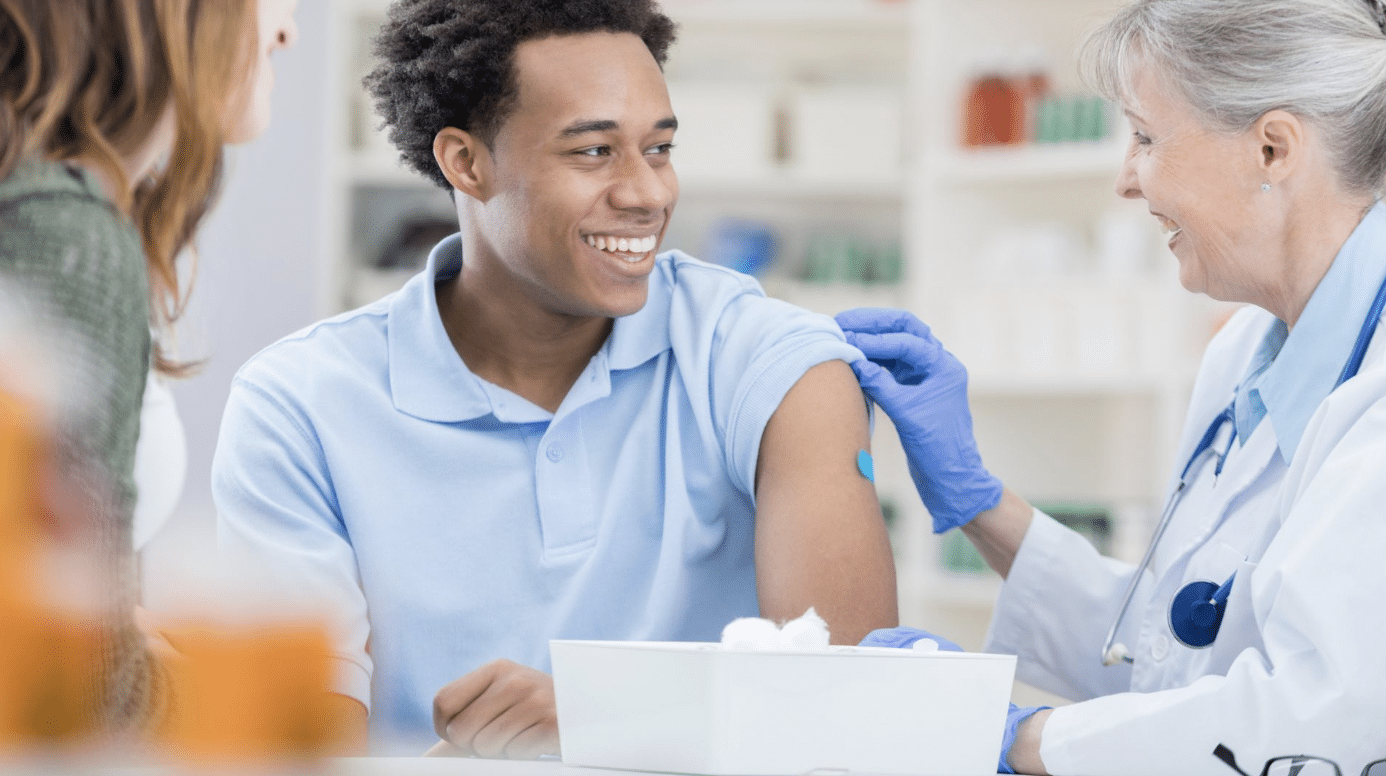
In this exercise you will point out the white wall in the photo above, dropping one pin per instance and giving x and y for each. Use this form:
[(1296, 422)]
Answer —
[(260, 276)]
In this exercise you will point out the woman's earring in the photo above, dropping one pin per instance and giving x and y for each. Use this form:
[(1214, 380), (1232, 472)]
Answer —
[(1265, 187)]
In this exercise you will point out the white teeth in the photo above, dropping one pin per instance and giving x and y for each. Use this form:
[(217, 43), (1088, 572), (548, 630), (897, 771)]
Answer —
[(638, 245)]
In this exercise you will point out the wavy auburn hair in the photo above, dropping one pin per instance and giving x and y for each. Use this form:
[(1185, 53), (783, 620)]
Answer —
[(92, 80)]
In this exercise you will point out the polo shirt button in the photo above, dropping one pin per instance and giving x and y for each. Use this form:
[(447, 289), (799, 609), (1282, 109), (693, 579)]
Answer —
[(554, 453), (1159, 649)]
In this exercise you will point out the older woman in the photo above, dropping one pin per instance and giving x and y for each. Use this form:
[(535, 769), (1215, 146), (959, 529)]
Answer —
[(1254, 626)]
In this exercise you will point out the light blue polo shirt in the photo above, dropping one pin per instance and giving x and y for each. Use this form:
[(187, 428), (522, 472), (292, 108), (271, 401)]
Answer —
[(446, 522), (1293, 371)]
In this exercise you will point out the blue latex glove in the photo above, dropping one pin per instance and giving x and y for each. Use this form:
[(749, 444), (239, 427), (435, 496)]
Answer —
[(1014, 717), (904, 638), (923, 389)]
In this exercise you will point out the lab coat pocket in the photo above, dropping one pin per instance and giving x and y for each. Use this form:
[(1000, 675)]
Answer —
[(1239, 631), (1213, 564)]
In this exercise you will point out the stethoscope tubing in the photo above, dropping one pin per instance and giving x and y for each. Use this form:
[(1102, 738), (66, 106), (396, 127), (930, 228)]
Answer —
[(1112, 652)]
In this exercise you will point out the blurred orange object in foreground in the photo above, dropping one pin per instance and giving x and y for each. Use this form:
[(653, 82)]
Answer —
[(22, 454), (49, 687), (255, 693)]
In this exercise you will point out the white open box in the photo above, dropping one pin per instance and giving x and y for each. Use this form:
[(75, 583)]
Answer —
[(697, 708)]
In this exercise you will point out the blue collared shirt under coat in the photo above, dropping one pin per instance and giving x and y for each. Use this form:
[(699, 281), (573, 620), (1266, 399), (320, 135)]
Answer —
[(1294, 370), (452, 522)]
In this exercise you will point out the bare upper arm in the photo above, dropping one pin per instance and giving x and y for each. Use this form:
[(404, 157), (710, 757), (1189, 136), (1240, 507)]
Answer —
[(820, 537)]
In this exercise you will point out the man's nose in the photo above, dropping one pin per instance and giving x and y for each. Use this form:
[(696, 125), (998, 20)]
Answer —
[(640, 186)]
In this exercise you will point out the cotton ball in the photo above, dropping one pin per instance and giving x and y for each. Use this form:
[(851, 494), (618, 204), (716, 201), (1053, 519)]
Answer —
[(808, 633), (750, 633), (925, 645)]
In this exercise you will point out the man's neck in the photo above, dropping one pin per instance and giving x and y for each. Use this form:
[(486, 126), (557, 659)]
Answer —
[(515, 344)]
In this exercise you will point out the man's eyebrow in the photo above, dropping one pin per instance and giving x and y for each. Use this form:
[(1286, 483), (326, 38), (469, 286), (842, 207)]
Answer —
[(607, 125), (583, 127)]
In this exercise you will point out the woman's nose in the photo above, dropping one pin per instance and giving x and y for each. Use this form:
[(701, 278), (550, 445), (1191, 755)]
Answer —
[(1128, 184)]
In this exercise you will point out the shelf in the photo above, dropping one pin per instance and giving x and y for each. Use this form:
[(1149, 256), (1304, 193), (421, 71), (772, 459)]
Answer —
[(889, 14), (784, 184), (1031, 163), (1001, 386), (832, 298)]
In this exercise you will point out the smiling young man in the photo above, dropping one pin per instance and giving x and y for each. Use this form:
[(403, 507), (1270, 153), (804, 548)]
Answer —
[(553, 431)]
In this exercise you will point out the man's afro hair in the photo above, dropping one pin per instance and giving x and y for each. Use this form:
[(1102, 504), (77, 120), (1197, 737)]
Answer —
[(450, 63)]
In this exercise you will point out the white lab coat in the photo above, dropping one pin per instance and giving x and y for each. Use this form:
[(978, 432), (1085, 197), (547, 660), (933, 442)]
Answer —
[(1299, 665)]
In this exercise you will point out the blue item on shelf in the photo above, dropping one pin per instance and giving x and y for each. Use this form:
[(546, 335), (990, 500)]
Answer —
[(745, 246)]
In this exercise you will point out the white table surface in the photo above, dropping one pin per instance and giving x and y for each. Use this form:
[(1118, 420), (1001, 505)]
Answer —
[(460, 766), (360, 766)]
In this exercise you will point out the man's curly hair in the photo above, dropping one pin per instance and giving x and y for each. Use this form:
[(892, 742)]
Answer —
[(450, 63)]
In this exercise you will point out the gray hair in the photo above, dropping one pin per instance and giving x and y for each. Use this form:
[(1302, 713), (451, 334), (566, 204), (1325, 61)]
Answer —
[(1236, 60)]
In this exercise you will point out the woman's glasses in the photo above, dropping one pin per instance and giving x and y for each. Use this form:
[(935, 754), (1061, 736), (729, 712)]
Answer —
[(1298, 765)]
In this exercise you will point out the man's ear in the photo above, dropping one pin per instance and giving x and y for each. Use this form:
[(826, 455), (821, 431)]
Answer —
[(465, 162), (1280, 136)]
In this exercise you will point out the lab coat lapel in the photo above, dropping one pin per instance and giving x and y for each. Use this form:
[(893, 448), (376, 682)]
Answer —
[(1244, 467)]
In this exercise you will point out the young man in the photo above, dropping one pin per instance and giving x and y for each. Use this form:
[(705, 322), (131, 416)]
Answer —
[(552, 432)]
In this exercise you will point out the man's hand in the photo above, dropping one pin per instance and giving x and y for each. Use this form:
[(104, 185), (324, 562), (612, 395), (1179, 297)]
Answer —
[(501, 710)]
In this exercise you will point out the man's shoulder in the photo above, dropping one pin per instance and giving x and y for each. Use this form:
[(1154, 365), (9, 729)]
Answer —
[(677, 271), (347, 346)]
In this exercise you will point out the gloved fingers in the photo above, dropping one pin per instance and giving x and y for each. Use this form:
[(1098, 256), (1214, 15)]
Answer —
[(882, 320), (908, 357), (904, 636), (871, 374)]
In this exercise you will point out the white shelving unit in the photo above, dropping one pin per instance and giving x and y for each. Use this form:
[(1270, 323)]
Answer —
[(1080, 368)]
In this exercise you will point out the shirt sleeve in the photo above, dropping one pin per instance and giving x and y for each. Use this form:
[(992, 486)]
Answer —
[(761, 347), (1054, 610), (1315, 597), (279, 527)]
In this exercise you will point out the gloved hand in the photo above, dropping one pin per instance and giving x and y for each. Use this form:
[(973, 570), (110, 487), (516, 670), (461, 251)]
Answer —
[(904, 638), (1014, 717), (923, 389)]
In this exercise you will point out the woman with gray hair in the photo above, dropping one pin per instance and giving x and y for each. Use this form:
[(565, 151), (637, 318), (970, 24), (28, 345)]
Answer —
[(1253, 624)]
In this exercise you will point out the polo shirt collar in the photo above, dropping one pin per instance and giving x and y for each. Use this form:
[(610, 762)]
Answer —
[(430, 381), (1315, 351)]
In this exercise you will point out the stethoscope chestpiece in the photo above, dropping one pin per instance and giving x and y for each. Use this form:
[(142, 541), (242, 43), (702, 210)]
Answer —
[(1195, 614)]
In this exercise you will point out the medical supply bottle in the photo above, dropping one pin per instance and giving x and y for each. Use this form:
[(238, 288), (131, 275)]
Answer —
[(994, 106)]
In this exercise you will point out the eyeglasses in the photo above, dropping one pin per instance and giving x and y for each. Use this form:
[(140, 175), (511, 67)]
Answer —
[(1298, 765)]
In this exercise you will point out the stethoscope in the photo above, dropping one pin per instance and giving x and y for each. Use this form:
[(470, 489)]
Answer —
[(1195, 613)]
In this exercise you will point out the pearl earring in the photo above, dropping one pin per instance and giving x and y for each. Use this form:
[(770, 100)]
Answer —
[(1265, 187)]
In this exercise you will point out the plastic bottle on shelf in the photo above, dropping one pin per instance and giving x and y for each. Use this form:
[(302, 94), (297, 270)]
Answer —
[(994, 105)]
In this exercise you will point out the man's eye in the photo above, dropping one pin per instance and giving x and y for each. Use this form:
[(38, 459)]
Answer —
[(1141, 139), (661, 149), (595, 151)]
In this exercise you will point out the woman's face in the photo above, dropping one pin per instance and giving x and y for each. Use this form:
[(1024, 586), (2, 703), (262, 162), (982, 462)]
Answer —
[(250, 114), (1202, 185)]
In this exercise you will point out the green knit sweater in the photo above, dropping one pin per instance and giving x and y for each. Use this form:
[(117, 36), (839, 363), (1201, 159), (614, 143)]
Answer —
[(78, 268)]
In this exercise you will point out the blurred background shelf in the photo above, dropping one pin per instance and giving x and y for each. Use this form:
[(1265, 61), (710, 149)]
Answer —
[(1033, 162), (781, 14)]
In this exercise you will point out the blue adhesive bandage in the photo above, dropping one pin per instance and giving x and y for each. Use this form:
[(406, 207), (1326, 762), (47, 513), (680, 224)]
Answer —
[(865, 465)]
